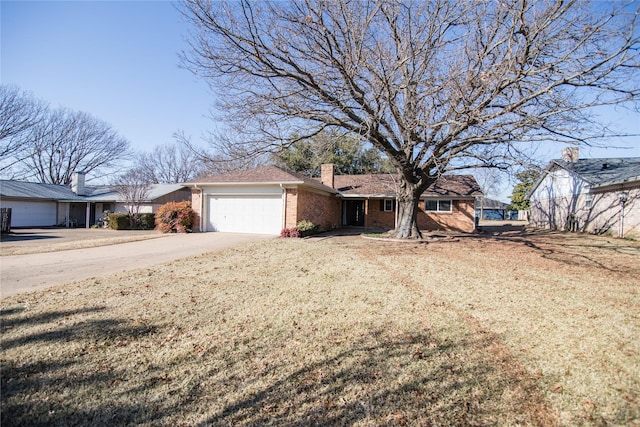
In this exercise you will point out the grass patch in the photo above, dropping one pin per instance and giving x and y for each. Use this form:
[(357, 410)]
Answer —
[(338, 331), (10, 248)]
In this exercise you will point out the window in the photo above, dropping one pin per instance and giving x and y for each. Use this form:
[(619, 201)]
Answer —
[(437, 205), (388, 205), (588, 202), (430, 205)]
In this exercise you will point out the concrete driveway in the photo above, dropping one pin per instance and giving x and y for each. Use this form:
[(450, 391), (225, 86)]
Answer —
[(26, 273)]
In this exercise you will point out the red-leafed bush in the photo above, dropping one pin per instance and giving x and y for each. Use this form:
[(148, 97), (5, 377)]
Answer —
[(290, 232), (175, 217)]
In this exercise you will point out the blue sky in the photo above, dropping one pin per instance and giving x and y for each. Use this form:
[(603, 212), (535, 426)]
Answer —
[(118, 60)]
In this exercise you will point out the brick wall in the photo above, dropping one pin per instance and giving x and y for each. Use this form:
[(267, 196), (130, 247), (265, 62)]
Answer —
[(196, 196), (461, 217), (321, 209), (291, 212), (376, 217)]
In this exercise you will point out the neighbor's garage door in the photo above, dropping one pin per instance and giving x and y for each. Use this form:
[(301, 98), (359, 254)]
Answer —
[(245, 214), (31, 214)]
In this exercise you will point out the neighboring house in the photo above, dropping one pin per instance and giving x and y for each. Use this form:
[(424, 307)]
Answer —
[(79, 205), (267, 199), (490, 209), (588, 195)]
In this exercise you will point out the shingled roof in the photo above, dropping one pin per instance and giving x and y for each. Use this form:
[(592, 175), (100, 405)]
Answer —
[(262, 175), (384, 185), (603, 172), (368, 185), (63, 193), (35, 190)]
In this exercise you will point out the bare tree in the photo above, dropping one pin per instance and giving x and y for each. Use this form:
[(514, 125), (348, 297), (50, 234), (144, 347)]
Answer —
[(67, 141), (220, 163), (19, 112), (170, 164), (437, 86), (133, 187)]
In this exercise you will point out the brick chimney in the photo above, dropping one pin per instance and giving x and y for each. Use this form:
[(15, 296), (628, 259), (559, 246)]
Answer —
[(570, 154), (77, 183), (327, 172)]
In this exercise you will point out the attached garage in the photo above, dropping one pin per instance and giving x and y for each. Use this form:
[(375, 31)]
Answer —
[(264, 200), (260, 214), (32, 213)]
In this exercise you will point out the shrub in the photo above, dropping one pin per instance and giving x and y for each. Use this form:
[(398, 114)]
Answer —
[(307, 228), (175, 217), (119, 221), (147, 221), (290, 232)]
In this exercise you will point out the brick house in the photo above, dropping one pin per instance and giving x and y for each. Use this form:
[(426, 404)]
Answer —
[(266, 199)]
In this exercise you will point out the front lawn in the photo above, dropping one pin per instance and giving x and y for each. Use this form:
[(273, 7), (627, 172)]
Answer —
[(537, 330)]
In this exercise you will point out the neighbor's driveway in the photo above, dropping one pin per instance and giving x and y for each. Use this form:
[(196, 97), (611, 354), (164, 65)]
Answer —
[(25, 273)]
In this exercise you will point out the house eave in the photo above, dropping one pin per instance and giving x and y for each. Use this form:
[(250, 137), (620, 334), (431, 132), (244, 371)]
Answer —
[(283, 184), (242, 183), (367, 196)]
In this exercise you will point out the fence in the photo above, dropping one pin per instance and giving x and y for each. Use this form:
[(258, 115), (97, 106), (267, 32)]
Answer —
[(5, 220)]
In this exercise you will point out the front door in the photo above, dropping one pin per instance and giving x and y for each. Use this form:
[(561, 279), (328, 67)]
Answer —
[(353, 213)]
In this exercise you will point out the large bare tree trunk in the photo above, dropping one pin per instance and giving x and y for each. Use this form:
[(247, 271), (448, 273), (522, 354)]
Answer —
[(408, 198)]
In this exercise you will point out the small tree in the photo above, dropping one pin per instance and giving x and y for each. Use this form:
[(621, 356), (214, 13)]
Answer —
[(133, 188), (519, 199)]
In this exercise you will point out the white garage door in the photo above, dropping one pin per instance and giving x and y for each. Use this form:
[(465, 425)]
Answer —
[(245, 214), (31, 214)]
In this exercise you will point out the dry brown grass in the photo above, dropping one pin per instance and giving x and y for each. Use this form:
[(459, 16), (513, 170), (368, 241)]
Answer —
[(13, 248), (540, 330)]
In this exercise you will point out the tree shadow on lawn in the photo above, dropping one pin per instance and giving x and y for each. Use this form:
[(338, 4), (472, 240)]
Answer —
[(574, 249), (383, 378), (413, 380), (34, 385)]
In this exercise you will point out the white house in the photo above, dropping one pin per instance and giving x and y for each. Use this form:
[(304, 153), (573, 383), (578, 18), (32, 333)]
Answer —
[(588, 195)]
